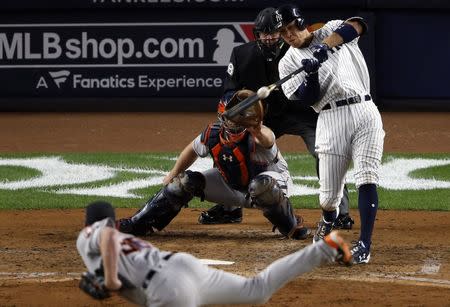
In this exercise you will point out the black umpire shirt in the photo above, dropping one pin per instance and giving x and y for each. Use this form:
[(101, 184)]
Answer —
[(249, 69)]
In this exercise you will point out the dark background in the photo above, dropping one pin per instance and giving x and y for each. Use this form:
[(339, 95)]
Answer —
[(407, 50)]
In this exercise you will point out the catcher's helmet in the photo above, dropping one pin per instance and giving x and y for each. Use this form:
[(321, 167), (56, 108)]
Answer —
[(232, 131), (288, 13), (266, 23)]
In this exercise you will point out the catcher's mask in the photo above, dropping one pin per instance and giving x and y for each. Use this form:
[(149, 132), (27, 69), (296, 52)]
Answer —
[(98, 211), (266, 34), (232, 131)]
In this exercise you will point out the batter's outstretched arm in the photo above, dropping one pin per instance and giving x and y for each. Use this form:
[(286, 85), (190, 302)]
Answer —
[(186, 159), (348, 31), (110, 249)]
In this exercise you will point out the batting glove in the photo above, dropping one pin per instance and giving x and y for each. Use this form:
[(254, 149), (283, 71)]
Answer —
[(311, 65), (320, 52)]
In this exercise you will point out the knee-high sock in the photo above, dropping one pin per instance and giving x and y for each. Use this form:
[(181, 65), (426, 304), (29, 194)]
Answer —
[(368, 205)]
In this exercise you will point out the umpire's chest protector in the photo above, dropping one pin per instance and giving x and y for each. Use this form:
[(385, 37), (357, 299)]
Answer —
[(233, 160)]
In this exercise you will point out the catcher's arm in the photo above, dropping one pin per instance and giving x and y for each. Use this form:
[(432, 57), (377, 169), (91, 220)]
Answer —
[(263, 135), (187, 158)]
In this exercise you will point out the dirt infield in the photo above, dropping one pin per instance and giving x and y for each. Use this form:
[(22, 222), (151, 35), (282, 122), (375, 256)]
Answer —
[(39, 266)]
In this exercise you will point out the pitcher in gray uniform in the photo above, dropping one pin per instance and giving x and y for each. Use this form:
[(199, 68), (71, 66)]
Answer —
[(336, 85), (160, 278), (249, 171)]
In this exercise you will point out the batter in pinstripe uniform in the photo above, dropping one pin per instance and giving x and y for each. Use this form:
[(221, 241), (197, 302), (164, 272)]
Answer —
[(336, 84), (253, 65)]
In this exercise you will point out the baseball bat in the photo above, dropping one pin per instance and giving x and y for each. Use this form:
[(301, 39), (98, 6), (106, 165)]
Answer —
[(260, 94)]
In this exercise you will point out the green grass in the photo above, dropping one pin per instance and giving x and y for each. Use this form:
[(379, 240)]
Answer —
[(433, 173), (13, 173), (299, 165)]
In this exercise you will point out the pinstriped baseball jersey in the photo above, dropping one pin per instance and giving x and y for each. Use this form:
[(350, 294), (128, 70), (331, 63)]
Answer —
[(337, 80), (345, 131)]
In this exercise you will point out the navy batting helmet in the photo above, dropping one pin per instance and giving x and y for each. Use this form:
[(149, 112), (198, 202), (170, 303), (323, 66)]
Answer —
[(288, 13), (266, 23)]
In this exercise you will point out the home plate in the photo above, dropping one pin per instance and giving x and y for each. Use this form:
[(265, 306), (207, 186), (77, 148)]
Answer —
[(216, 262)]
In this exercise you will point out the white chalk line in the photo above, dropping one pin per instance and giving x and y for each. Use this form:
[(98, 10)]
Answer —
[(391, 278), (44, 277), (430, 266)]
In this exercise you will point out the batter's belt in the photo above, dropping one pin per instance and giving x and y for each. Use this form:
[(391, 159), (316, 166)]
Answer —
[(348, 101)]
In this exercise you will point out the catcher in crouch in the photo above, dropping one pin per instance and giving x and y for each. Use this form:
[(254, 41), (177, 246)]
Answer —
[(249, 171)]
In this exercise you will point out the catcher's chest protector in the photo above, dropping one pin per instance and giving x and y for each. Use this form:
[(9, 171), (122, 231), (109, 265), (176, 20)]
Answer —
[(232, 159)]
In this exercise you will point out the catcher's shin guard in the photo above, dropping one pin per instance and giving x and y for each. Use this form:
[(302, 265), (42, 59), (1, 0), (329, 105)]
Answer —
[(164, 206), (267, 195)]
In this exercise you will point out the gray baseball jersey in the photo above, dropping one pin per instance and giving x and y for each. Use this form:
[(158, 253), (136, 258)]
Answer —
[(351, 131), (183, 280), (218, 191)]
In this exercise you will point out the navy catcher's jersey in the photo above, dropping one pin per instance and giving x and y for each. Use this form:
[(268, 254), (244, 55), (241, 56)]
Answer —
[(232, 159)]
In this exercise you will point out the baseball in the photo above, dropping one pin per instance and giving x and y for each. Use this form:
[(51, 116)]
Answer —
[(263, 92)]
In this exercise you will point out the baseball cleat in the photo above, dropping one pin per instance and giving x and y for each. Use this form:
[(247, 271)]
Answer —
[(335, 240), (126, 225), (360, 252), (301, 233), (218, 215), (323, 229), (343, 221)]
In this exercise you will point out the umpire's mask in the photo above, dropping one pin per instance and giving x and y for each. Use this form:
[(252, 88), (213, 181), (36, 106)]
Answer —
[(266, 34)]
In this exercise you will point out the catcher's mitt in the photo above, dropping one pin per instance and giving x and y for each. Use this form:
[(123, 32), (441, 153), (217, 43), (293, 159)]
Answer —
[(249, 117), (94, 285)]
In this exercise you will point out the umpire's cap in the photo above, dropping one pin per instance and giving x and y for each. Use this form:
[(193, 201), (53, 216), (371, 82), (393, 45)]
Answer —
[(99, 210)]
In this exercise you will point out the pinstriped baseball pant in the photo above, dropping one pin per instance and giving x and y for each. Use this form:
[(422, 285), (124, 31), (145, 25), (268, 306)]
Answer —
[(354, 132)]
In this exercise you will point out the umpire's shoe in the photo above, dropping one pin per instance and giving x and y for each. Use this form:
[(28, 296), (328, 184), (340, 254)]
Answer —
[(335, 240), (218, 215), (343, 221)]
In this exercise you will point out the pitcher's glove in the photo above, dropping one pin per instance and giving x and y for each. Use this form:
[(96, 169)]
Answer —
[(94, 285), (250, 117)]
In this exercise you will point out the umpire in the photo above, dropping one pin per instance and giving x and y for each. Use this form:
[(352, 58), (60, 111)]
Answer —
[(253, 65)]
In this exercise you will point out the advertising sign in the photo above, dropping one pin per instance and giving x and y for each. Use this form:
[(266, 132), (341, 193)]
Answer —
[(117, 59)]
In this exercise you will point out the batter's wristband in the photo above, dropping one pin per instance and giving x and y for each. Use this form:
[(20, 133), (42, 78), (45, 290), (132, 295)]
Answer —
[(347, 32)]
